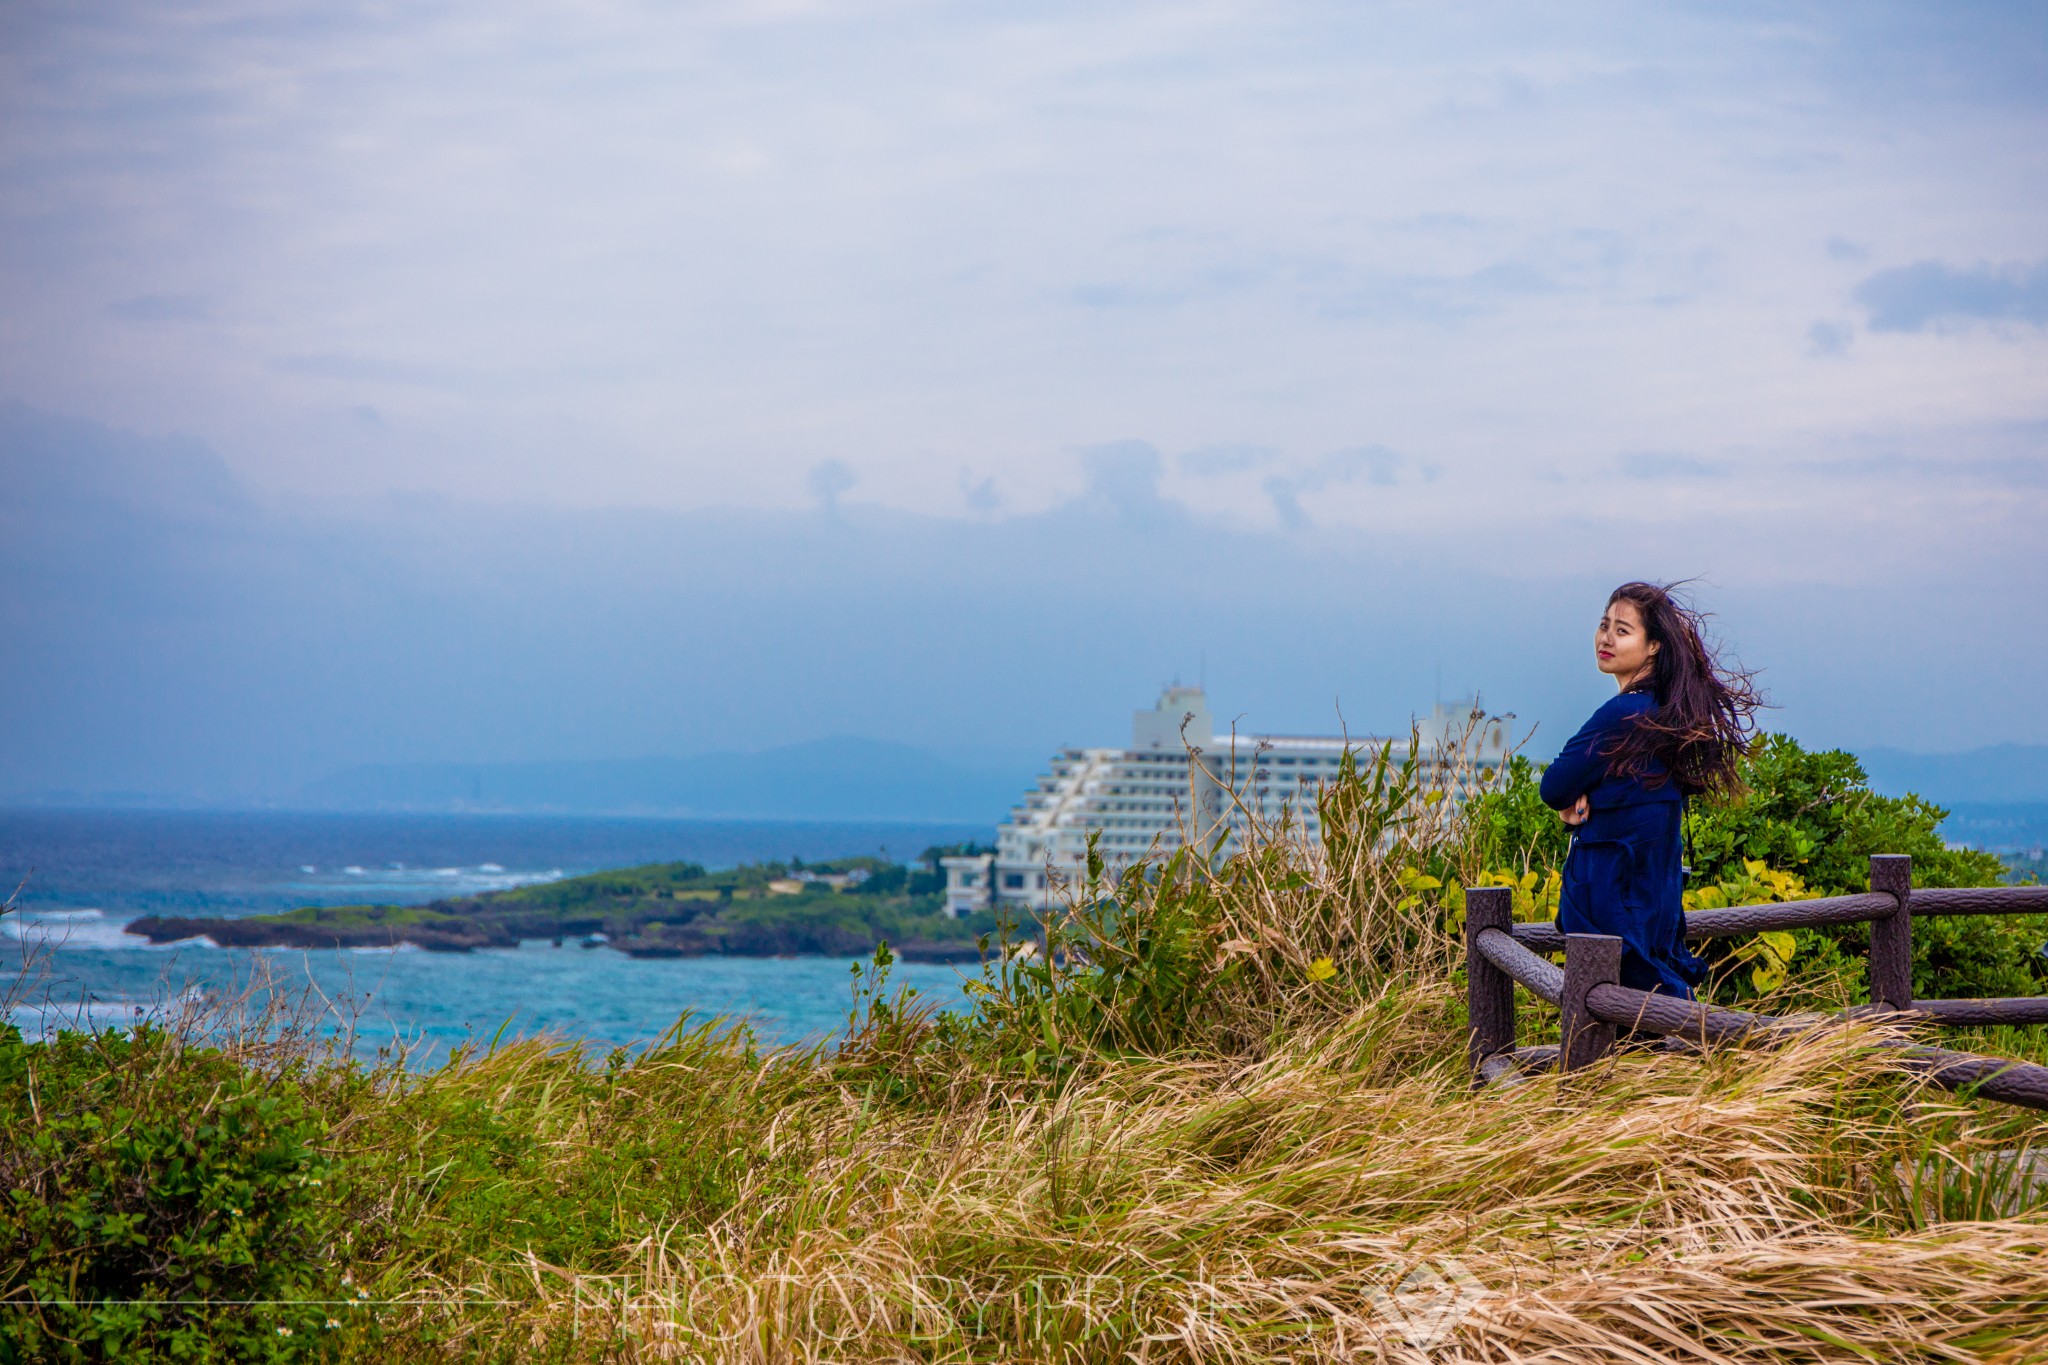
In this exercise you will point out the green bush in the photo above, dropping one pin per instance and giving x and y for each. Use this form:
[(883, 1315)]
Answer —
[(1513, 828), (161, 1202), (1812, 812)]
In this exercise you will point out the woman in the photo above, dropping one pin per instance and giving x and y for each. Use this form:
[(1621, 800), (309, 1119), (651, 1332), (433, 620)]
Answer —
[(1678, 727)]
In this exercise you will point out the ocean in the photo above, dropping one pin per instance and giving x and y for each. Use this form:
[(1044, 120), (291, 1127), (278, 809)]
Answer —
[(81, 875)]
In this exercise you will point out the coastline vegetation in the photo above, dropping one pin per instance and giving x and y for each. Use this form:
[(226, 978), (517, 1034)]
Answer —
[(842, 908), (1225, 1117)]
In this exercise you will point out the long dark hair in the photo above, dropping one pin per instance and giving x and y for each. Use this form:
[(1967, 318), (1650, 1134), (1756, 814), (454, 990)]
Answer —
[(1705, 712)]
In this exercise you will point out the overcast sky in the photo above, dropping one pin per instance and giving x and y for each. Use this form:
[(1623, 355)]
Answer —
[(1319, 345)]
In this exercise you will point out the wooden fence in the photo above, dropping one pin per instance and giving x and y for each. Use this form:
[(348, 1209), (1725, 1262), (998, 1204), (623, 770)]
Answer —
[(1594, 1004)]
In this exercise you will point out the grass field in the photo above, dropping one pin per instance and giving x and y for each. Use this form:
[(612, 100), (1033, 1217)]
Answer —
[(1228, 1119)]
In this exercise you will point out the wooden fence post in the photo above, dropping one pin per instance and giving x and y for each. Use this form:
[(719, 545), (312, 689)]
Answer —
[(1589, 960), (1891, 938), (1489, 991)]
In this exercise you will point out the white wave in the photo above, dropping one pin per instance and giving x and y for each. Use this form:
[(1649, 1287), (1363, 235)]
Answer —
[(89, 928), (400, 880), (85, 928), (308, 868)]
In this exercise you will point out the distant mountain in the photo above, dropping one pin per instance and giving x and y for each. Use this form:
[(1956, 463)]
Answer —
[(827, 779), (2003, 772)]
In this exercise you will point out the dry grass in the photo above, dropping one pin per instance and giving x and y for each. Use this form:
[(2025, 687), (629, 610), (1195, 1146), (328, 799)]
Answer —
[(1754, 1207), (1268, 1182)]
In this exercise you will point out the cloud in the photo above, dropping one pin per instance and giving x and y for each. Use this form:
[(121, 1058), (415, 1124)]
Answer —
[(1123, 480), (1829, 338), (828, 480), (1210, 461), (1374, 464), (1285, 495), (1340, 287), (980, 495), (1201, 279), (720, 253), (356, 369), (1661, 465), (1913, 298), (1127, 296), (160, 308), (2011, 472), (1430, 299)]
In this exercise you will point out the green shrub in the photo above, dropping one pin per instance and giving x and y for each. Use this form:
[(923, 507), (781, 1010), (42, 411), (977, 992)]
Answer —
[(161, 1202), (1812, 812), (1513, 828), (1133, 961)]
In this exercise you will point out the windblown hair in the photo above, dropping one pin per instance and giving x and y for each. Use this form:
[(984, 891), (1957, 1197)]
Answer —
[(1705, 712)]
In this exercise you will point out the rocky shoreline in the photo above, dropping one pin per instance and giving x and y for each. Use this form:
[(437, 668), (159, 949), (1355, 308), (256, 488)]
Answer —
[(470, 936), (267, 932), (747, 941)]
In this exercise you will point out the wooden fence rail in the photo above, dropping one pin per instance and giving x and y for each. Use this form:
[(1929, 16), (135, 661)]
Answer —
[(1739, 920), (1595, 1006)]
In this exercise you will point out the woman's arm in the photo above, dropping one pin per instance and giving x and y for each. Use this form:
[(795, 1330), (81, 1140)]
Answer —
[(1579, 768)]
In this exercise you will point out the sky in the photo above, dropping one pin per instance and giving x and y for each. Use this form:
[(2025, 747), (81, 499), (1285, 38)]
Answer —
[(509, 381)]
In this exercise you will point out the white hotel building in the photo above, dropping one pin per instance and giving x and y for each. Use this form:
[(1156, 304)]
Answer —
[(1155, 794)]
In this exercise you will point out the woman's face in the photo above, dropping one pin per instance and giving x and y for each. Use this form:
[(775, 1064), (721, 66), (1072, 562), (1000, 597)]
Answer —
[(1622, 646)]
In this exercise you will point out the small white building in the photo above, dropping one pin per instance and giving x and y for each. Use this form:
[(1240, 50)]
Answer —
[(1178, 781), (970, 883)]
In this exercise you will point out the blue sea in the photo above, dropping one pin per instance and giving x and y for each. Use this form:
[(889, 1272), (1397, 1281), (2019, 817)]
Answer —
[(65, 960)]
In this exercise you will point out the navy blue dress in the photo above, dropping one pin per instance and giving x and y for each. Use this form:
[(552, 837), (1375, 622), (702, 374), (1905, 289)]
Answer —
[(1624, 875)]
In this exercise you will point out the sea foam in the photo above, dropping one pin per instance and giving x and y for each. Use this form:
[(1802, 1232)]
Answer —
[(84, 928)]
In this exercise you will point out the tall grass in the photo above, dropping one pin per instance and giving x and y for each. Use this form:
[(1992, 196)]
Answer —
[(1222, 1115)]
